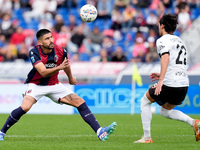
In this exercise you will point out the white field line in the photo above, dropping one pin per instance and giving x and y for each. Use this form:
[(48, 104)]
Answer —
[(56, 136)]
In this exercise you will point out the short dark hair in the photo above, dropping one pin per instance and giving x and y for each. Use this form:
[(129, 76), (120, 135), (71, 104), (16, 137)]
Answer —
[(42, 32), (170, 22)]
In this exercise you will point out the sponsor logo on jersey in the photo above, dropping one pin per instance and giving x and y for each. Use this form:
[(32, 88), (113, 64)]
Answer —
[(50, 65)]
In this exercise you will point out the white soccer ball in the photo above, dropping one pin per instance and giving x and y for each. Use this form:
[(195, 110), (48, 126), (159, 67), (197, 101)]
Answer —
[(88, 13)]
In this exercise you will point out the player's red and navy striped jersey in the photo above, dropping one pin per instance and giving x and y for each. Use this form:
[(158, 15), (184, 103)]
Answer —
[(50, 60)]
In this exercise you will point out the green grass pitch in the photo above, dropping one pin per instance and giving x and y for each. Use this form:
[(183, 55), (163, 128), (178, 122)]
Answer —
[(70, 132)]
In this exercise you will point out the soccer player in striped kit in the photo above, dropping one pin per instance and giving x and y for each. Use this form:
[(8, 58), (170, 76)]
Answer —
[(47, 60)]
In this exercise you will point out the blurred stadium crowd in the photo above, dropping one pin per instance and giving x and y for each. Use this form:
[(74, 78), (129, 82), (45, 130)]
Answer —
[(125, 30)]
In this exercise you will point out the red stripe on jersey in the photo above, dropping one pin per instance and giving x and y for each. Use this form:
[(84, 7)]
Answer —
[(59, 58), (36, 63)]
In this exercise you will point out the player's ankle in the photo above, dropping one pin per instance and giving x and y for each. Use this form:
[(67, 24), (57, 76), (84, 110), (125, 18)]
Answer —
[(98, 131)]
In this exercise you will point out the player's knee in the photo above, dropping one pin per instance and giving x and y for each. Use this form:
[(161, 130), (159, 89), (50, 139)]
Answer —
[(144, 101), (25, 107), (73, 100), (27, 103), (79, 102), (164, 112)]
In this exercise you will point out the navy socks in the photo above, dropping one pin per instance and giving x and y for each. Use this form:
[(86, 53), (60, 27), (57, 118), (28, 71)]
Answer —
[(13, 118), (83, 110), (88, 117)]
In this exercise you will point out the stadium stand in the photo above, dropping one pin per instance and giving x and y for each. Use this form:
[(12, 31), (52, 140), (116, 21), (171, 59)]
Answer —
[(128, 22)]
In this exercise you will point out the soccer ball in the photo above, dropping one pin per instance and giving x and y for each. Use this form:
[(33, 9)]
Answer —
[(88, 13)]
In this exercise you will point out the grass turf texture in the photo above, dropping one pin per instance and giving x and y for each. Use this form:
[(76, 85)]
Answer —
[(46, 132)]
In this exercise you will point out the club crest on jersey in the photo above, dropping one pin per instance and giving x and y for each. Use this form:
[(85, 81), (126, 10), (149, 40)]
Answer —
[(55, 58), (29, 91)]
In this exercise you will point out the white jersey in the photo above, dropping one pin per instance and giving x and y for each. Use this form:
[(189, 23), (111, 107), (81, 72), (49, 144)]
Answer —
[(176, 75)]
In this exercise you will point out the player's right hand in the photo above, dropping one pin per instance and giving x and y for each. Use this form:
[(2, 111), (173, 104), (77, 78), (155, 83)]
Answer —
[(154, 76), (64, 64)]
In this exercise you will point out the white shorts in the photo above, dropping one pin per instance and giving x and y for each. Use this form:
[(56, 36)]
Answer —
[(54, 92)]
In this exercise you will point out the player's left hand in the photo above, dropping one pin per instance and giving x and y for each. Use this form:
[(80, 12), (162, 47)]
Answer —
[(158, 88), (72, 81)]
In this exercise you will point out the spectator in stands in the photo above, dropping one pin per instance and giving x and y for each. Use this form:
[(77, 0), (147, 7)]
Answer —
[(154, 5), (153, 33), (63, 37), (37, 12), (85, 27), (104, 56), (183, 18), (167, 3), (161, 9), (61, 4), (104, 8), (93, 2), (117, 20), (5, 7), (16, 5), (118, 55), (76, 40), (29, 38), (121, 3), (93, 41), (18, 38), (108, 45), (3, 43), (59, 22), (23, 53), (6, 26), (139, 34), (75, 57), (45, 24), (128, 14), (193, 3), (72, 23), (152, 20), (139, 50), (138, 20), (151, 55), (141, 3), (9, 52), (50, 9), (24, 4)]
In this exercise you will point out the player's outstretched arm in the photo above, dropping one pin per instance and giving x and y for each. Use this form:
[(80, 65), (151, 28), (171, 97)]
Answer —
[(51, 71)]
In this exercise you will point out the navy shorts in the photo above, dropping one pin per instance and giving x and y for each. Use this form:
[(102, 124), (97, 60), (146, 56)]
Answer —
[(172, 95)]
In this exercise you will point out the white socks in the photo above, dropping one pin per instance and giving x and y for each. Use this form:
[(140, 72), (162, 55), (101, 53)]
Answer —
[(98, 131), (146, 116), (176, 115)]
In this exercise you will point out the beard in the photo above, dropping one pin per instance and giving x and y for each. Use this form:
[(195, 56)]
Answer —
[(50, 46)]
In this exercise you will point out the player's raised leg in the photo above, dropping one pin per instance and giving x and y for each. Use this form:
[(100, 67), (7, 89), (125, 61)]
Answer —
[(16, 114), (76, 101), (167, 111)]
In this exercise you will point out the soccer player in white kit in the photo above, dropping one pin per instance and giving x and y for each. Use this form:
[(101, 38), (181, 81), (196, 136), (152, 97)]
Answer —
[(173, 81)]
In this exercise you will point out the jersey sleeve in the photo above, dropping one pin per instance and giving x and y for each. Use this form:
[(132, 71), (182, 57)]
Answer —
[(34, 57), (65, 53), (162, 47)]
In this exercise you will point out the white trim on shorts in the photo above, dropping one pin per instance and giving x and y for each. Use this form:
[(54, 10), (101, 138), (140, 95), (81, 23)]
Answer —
[(54, 92)]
